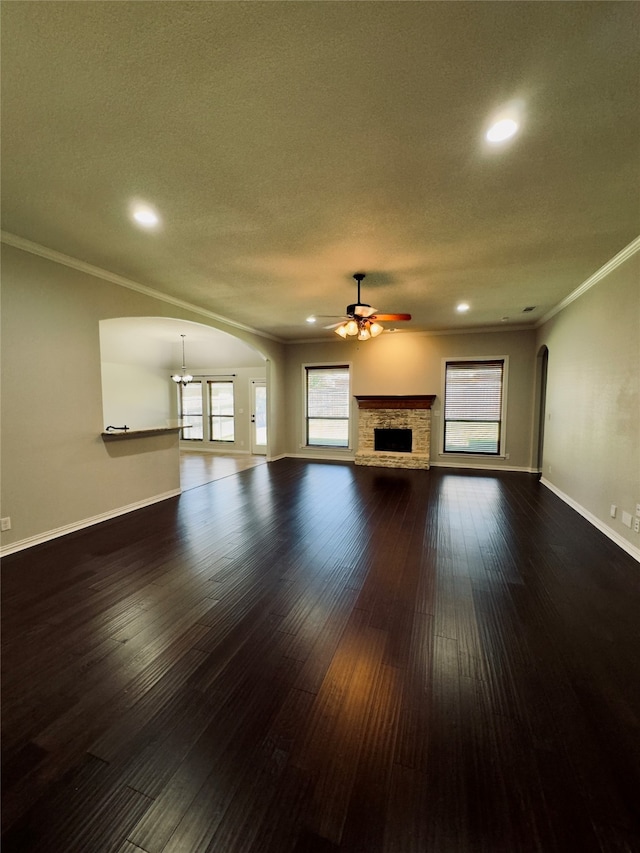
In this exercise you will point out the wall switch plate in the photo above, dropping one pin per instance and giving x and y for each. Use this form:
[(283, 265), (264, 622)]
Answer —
[(613, 510), (626, 518), (5, 523), (636, 525)]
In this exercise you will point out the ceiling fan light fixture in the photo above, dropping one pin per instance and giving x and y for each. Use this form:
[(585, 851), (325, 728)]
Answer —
[(361, 320)]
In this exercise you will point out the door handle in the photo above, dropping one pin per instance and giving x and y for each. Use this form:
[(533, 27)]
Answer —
[(253, 419)]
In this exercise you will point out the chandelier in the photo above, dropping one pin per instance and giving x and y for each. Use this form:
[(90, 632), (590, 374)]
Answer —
[(183, 378)]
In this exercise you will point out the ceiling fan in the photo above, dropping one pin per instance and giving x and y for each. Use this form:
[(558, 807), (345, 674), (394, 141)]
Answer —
[(361, 320)]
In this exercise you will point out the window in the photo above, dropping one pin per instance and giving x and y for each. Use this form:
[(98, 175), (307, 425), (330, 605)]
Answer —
[(328, 403), (221, 419), (473, 398), (191, 410)]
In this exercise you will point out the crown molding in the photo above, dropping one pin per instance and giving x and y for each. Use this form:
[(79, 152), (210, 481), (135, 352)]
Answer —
[(477, 330), (616, 261), (121, 281)]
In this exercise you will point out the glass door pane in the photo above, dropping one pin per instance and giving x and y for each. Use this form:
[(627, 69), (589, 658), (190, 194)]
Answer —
[(259, 417)]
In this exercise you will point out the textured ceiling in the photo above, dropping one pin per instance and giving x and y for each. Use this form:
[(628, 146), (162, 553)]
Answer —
[(289, 145)]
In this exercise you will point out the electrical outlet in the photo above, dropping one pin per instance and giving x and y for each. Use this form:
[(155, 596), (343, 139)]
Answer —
[(636, 525), (5, 523)]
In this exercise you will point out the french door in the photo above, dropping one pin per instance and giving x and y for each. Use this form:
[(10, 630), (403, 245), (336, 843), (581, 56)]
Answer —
[(258, 417)]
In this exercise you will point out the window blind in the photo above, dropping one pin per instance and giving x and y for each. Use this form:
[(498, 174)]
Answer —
[(328, 404), (473, 406)]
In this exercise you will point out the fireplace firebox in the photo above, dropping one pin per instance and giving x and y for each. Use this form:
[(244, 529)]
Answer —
[(394, 440)]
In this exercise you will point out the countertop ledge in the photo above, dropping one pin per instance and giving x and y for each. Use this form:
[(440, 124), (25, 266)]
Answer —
[(138, 433)]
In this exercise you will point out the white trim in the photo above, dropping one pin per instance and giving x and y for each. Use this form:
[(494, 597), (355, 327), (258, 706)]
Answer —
[(328, 457), (462, 464), (612, 534), (476, 330), (121, 281), (85, 522), (191, 447), (457, 465), (620, 258)]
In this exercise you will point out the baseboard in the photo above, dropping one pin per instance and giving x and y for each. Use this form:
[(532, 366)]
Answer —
[(458, 465), (187, 447), (325, 457), (30, 541), (609, 532), (474, 466)]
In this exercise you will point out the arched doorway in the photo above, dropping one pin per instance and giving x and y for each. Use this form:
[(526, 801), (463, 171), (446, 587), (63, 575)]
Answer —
[(138, 357)]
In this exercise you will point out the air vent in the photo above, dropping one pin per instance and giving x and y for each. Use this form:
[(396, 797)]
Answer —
[(528, 308)]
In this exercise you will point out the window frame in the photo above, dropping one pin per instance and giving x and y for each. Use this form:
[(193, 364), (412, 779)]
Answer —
[(305, 408), (501, 453), (210, 415), (184, 435), (206, 441)]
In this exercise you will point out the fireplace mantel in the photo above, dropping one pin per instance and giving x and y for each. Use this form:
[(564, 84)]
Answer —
[(412, 401)]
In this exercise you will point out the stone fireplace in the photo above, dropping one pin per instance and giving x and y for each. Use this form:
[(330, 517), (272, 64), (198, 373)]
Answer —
[(394, 432)]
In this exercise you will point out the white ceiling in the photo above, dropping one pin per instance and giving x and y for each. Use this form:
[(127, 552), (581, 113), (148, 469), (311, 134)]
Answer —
[(287, 145)]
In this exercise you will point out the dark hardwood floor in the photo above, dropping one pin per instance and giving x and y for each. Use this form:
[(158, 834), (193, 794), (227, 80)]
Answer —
[(308, 657)]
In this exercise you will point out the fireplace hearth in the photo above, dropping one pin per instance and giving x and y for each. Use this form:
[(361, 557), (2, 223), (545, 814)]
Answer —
[(394, 432)]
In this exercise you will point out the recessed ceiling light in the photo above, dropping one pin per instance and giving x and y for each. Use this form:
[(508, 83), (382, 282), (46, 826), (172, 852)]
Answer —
[(311, 319), (145, 215), (502, 130), (462, 307)]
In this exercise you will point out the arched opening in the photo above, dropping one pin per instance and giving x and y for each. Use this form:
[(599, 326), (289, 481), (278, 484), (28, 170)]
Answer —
[(542, 364), (139, 356)]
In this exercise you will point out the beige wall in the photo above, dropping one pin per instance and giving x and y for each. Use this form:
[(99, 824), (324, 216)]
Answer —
[(399, 364), (592, 426), (56, 469), (137, 396)]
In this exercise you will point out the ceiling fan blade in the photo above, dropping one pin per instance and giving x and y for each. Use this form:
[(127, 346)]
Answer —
[(390, 317), (334, 325)]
